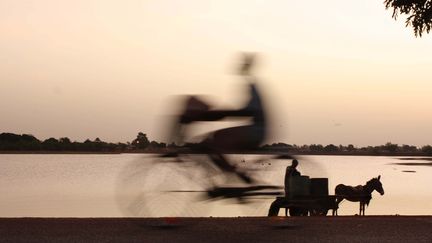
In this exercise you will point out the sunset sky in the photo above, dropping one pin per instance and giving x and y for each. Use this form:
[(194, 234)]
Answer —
[(338, 71)]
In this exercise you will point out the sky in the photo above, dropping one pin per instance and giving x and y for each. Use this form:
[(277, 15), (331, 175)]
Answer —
[(337, 71)]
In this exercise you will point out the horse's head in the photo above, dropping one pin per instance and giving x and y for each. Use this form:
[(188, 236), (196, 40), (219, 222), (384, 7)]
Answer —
[(375, 184)]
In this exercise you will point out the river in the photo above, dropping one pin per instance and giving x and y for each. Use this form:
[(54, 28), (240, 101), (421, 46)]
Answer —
[(120, 185)]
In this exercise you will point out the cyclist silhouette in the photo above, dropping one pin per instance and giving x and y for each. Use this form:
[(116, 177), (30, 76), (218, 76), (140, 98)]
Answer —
[(234, 139)]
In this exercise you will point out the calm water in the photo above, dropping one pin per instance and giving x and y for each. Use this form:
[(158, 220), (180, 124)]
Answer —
[(125, 185)]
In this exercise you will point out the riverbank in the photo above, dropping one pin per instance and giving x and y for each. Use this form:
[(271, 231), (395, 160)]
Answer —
[(285, 155), (58, 152), (244, 229)]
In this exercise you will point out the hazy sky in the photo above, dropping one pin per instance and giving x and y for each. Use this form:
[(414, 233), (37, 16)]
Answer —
[(333, 71)]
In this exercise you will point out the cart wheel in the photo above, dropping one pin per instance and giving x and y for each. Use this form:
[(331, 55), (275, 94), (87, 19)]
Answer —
[(294, 211), (318, 212)]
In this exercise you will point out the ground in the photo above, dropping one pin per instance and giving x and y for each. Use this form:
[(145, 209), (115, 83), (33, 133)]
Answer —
[(262, 229)]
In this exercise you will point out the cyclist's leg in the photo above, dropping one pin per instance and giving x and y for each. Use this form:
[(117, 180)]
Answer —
[(235, 139)]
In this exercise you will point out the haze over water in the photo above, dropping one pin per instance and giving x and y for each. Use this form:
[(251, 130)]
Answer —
[(91, 185)]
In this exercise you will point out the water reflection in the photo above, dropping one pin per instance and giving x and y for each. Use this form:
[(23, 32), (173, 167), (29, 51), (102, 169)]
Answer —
[(427, 159), (415, 163)]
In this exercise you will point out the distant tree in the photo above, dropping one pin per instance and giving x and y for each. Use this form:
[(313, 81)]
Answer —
[(87, 145), (419, 13), (99, 145), (350, 147), (305, 148), (141, 141), (155, 144), (371, 149), (65, 140), (29, 142), (409, 148), (390, 147), (10, 141), (29, 138), (9, 137), (316, 147), (331, 148), (121, 146), (65, 144), (427, 149), (277, 147), (51, 144)]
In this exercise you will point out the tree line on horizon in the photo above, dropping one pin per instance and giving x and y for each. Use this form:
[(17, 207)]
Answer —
[(27, 142), (10, 142), (385, 149)]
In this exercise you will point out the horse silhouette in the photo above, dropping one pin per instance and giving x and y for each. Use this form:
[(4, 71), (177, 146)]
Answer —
[(360, 193)]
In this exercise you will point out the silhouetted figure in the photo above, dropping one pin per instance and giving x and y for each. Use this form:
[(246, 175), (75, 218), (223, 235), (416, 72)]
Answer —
[(233, 139), (290, 171), (360, 193)]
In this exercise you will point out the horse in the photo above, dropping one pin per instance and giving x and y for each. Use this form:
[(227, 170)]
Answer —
[(360, 193)]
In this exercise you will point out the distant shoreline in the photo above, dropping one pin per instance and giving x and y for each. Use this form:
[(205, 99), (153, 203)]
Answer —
[(249, 152), (28, 144), (56, 152)]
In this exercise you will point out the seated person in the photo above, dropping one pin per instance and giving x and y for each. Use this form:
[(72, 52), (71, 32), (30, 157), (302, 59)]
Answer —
[(291, 170)]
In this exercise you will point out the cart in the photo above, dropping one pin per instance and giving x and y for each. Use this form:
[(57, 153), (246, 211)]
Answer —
[(308, 196)]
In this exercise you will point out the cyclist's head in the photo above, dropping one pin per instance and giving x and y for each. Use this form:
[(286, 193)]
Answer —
[(248, 61)]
